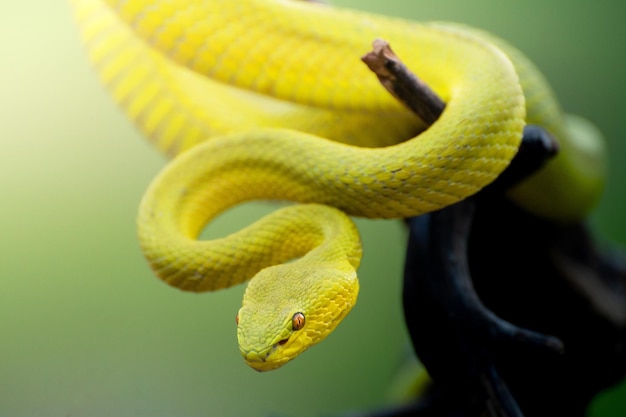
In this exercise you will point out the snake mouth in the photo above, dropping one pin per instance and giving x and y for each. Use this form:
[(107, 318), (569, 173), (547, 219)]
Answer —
[(263, 363), (265, 360)]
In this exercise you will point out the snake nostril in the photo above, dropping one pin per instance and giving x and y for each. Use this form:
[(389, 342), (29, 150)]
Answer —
[(282, 342)]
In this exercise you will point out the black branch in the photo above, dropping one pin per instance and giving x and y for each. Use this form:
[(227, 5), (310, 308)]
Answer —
[(510, 314)]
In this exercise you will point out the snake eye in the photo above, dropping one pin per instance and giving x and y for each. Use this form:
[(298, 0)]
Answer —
[(237, 319), (297, 322)]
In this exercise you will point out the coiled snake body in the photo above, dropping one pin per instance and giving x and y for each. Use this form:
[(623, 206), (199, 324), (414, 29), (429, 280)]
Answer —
[(274, 103)]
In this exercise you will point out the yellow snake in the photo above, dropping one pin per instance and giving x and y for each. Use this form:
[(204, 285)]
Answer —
[(272, 101)]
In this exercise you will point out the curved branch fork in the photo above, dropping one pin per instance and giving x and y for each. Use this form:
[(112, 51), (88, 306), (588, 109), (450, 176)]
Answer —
[(457, 338)]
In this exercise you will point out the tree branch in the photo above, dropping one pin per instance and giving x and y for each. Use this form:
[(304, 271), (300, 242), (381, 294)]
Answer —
[(403, 84)]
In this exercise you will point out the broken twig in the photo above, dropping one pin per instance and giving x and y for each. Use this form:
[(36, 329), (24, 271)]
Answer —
[(403, 84)]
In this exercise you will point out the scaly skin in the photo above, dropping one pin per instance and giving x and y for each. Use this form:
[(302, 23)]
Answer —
[(269, 83)]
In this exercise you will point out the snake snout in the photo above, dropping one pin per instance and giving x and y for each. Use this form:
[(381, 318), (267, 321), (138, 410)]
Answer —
[(265, 361)]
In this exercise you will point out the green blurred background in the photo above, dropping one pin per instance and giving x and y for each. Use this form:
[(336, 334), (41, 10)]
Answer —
[(86, 330)]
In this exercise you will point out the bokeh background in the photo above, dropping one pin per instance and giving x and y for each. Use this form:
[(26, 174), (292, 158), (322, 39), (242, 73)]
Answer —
[(86, 330)]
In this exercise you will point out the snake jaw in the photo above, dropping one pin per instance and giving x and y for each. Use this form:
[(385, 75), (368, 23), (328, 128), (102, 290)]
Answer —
[(272, 357), (259, 360)]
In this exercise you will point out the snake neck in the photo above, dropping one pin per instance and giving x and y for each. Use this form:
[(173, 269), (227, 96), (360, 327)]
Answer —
[(197, 187)]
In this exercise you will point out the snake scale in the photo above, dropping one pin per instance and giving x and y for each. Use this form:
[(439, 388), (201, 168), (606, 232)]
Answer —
[(267, 99)]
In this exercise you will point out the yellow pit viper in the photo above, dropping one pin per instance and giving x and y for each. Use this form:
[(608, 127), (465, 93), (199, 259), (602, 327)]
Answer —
[(268, 99)]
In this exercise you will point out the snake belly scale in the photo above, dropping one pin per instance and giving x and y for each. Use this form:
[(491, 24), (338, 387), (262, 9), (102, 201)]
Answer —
[(267, 99)]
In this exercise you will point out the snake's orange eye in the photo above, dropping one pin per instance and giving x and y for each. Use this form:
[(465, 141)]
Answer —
[(237, 319), (297, 321)]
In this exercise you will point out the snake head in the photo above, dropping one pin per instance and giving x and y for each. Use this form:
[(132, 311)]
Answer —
[(289, 308)]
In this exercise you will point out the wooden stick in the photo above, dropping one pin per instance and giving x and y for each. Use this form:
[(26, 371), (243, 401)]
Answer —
[(403, 84)]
